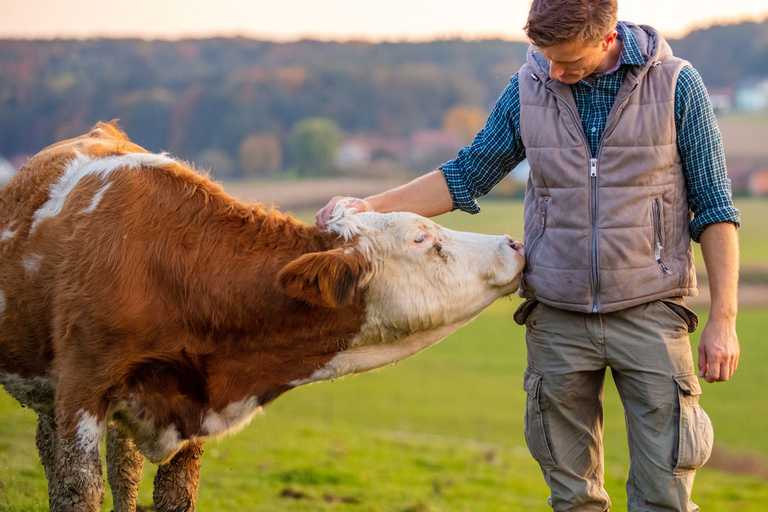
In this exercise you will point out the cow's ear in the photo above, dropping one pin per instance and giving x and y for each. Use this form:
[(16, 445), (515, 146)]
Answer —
[(329, 278)]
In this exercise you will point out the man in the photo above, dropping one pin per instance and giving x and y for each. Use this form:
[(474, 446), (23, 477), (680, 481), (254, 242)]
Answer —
[(627, 165)]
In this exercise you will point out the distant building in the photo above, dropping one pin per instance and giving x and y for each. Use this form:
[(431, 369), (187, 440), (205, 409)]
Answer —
[(6, 171), (753, 96), (362, 150), (432, 147)]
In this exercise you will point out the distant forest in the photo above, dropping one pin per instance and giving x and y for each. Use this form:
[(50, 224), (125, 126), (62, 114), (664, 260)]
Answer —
[(197, 95)]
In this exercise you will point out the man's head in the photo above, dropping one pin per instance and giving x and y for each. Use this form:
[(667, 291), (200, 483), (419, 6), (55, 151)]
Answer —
[(576, 36)]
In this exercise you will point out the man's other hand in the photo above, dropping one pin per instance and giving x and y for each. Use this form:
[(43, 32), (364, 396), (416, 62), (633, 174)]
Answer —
[(718, 350), (323, 215)]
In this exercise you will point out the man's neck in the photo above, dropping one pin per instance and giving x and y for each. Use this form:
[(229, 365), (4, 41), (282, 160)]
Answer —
[(611, 61)]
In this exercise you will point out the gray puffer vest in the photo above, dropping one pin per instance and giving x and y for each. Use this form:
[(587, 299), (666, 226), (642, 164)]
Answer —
[(608, 231)]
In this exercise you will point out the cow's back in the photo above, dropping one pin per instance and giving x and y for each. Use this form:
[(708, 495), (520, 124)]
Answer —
[(32, 250)]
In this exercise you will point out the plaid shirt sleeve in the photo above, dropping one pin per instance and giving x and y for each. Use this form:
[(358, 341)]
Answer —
[(494, 152), (703, 157)]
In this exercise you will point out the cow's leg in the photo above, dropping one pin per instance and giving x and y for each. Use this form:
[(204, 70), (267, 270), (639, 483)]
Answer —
[(45, 439), (176, 481), (77, 468), (124, 468)]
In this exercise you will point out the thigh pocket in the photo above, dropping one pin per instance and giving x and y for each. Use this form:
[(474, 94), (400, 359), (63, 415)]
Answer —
[(536, 436), (695, 435)]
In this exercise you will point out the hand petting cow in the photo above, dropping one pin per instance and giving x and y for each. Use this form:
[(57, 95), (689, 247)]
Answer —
[(137, 297)]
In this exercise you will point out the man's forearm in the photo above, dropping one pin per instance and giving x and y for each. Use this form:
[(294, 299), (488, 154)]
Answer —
[(426, 195), (720, 246)]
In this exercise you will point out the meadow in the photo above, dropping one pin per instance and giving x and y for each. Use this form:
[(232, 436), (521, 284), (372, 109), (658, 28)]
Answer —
[(441, 431)]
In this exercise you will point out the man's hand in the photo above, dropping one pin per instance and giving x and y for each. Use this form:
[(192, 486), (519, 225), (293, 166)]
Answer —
[(323, 215), (718, 350)]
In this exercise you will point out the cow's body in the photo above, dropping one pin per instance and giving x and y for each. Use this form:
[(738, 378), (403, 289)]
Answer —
[(138, 290)]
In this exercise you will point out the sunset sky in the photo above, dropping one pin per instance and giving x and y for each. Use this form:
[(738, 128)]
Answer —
[(330, 19)]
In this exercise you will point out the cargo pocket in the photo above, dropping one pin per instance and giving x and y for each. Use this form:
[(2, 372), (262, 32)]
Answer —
[(536, 436), (683, 312), (695, 435)]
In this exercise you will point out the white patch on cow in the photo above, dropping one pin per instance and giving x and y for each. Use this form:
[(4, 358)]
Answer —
[(168, 442), (31, 263), (158, 444), (80, 167), (88, 432), (233, 418), (425, 282), (7, 233), (97, 199), (367, 357)]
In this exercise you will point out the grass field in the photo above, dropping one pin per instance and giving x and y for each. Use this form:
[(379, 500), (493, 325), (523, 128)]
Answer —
[(441, 431)]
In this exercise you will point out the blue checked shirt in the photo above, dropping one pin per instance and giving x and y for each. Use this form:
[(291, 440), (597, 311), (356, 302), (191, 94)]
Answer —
[(498, 147)]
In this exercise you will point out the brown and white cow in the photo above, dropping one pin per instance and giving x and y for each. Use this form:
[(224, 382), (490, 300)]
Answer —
[(136, 290)]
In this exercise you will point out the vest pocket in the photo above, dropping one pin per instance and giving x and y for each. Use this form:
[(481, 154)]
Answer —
[(657, 217), (536, 436), (542, 210), (695, 435)]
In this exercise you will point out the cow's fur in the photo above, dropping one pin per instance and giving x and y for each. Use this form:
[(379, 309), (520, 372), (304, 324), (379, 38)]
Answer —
[(137, 291)]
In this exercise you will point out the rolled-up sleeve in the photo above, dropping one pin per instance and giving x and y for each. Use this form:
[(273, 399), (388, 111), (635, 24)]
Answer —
[(494, 152), (702, 154)]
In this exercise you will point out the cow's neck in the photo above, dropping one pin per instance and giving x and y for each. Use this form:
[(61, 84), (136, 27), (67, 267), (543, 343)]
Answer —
[(257, 339)]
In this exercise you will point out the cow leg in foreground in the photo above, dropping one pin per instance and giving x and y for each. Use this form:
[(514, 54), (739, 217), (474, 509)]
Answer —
[(176, 481), (124, 469), (78, 486)]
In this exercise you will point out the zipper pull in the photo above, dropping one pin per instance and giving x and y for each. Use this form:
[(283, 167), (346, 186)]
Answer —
[(593, 167), (657, 253)]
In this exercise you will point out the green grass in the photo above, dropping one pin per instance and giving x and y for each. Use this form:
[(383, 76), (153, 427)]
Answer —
[(441, 431)]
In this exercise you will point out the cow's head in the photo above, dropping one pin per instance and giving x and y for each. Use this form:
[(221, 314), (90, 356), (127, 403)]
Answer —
[(417, 280)]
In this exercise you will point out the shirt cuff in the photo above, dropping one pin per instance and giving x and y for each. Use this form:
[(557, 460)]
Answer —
[(713, 216), (460, 193)]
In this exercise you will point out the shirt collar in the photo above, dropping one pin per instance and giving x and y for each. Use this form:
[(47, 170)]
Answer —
[(630, 52)]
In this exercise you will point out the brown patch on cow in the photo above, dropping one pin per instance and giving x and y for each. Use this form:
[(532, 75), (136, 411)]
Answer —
[(167, 295)]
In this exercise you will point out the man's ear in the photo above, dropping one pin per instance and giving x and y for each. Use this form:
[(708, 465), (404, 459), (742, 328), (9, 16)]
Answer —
[(329, 278)]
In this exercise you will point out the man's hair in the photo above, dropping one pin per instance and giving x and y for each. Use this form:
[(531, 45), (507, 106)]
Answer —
[(551, 22)]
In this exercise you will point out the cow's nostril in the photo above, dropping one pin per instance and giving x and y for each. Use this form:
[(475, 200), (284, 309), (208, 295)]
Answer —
[(514, 244)]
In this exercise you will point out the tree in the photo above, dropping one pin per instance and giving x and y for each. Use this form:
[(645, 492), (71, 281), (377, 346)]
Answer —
[(464, 121), (260, 154), (313, 145)]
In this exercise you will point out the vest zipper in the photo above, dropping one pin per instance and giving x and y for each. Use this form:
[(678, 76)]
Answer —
[(658, 235), (595, 238)]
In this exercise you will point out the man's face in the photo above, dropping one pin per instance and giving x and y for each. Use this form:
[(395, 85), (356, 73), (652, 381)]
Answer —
[(572, 61)]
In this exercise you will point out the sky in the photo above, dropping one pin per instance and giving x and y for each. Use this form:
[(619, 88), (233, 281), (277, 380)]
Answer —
[(331, 19)]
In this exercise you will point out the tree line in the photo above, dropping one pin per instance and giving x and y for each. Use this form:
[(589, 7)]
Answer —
[(220, 100)]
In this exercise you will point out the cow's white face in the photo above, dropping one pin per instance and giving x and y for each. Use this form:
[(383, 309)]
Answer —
[(424, 276), (421, 282)]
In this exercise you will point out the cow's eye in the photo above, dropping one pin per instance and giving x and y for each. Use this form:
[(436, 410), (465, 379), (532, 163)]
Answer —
[(420, 238)]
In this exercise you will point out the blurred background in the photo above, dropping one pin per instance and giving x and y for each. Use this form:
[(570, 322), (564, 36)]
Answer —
[(290, 104)]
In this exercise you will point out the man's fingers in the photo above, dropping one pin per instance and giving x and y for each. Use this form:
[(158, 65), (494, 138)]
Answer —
[(324, 213), (713, 368), (725, 370), (702, 361)]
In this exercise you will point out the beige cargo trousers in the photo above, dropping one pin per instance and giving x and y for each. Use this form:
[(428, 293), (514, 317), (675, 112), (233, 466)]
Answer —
[(648, 350)]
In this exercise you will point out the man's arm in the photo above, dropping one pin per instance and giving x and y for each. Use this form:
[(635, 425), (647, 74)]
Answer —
[(495, 151), (719, 345), (714, 221)]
